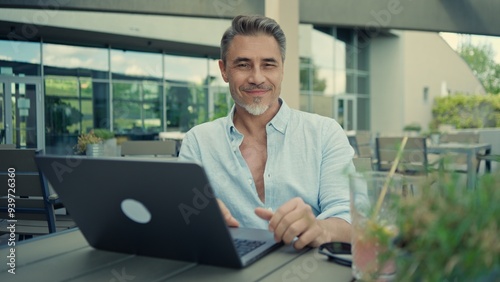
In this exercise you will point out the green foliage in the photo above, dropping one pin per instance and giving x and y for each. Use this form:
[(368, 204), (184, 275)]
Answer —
[(463, 111), (104, 134), (449, 233), (413, 127), (59, 115), (308, 76), (480, 59)]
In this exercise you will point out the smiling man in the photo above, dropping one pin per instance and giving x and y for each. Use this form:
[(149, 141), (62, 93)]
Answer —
[(271, 166)]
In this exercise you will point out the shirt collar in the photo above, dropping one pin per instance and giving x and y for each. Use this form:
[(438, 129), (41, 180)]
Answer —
[(279, 121)]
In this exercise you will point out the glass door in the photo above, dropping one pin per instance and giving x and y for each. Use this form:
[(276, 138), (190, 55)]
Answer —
[(21, 112), (345, 112)]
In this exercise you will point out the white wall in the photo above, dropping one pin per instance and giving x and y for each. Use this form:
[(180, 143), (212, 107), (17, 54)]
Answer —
[(400, 68), (386, 85), (431, 62)]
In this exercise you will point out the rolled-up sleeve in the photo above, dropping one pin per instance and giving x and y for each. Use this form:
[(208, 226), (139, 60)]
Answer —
[(334, 195)]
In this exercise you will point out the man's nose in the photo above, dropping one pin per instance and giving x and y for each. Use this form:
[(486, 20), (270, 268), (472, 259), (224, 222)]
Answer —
[(256, 76)]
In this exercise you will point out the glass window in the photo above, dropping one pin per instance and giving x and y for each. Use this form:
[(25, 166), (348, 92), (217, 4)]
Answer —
[(306, 78), (188, 99), (340, 55), (322, 47), (66, 110), (322, 62), (131, 65), (363, 113), (127, 107), (100, 97), (19, 58), (74, 60), (363, 84), (137, 107), (351, 83), (363, 57), (180, 68)]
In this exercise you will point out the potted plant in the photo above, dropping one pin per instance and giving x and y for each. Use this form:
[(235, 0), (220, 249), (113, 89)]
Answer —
[(412, 129), (103, 133), (109, 141), (89, 144), (449, 233)]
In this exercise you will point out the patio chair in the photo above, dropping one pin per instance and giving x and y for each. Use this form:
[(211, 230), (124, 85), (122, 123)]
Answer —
[(488, 159), (7, 146), (361, 143), (155, 148), (29, 196), (363, 164), (413, 163)]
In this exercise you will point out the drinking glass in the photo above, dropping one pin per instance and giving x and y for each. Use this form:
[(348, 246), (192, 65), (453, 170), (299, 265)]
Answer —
[(373, 196)]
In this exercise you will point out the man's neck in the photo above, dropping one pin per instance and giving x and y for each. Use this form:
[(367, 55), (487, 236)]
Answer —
[(252, 124)]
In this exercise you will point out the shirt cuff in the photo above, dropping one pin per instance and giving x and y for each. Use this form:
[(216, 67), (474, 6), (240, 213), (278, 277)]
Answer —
[(335, 212)]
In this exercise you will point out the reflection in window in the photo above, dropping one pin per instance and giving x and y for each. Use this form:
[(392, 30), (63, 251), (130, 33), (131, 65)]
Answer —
[(138, 65), (181, 68), (19, 58), (335, 64), (68, 110), (137, 107), (75, 58)]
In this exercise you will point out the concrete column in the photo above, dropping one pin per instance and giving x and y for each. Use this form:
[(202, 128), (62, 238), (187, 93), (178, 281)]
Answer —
[(286, 13)]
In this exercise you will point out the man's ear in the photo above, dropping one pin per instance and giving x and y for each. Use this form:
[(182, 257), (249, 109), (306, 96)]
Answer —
[(222, 68)]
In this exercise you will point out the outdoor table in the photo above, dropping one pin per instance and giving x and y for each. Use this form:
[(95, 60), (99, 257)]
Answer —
[(470, 150), (66, 256)]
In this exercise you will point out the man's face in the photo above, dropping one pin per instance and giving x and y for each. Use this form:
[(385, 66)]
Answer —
[(254, 71)]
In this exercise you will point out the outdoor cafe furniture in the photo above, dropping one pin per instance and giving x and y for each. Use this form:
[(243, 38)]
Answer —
[(472, 151), (66, 256)]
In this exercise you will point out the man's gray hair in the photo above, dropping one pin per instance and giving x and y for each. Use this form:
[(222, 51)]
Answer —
[(251, 26)]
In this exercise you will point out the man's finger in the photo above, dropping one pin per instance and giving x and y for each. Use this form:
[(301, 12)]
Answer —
[(230, 220), (264, 213)]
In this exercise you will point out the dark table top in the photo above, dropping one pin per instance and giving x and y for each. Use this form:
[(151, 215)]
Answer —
[(66, 256)]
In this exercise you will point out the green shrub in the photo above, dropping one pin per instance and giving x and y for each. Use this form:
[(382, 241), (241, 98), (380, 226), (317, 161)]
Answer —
[(104, 134), (463, 111)]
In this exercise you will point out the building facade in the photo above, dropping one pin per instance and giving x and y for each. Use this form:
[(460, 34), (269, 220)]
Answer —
[(138, 75)]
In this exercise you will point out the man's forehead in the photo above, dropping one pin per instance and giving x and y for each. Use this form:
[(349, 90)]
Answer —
[(250, 46)]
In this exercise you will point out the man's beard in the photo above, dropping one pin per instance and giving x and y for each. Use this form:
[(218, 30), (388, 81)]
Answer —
[(256, 108)]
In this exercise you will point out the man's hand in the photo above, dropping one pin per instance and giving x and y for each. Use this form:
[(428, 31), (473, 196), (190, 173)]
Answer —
[(296, 219), (230, 220)]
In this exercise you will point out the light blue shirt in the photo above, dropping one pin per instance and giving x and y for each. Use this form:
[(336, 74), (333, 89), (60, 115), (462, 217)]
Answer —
[(308, 156)]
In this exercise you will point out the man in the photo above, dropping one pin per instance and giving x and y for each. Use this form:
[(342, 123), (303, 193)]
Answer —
[(272, 166)]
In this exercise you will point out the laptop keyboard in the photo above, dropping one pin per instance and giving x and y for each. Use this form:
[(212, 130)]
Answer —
[(243, 247)]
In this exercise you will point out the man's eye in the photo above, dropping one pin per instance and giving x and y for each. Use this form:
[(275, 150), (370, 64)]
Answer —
[(242, 65)]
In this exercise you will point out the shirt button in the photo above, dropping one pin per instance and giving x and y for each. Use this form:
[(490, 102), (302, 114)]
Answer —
[(250, 181)]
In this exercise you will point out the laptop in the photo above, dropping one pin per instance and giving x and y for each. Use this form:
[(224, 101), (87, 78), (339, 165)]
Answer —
[(151, 207)]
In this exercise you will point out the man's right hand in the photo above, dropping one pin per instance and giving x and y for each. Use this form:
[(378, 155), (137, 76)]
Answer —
[(230, 220)]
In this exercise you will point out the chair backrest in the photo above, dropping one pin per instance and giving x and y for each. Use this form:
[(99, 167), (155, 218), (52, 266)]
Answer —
[(364, 143), (362, 164), (28, 191), (460, 137), (413, 159), (7, 146), (148, 148)]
